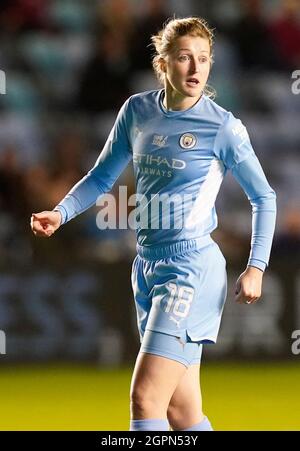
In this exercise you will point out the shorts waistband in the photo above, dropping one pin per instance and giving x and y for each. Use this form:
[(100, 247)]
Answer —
[(180, 247)]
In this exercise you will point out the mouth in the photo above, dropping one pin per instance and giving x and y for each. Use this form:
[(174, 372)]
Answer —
[(193, 82)]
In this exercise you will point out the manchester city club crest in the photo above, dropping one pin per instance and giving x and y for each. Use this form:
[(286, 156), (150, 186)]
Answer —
[(187, 141)]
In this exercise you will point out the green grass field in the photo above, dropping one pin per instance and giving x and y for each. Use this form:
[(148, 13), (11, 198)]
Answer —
[(236, 397)]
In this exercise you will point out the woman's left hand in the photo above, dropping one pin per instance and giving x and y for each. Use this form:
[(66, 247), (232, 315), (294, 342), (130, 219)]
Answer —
[(248, 286)]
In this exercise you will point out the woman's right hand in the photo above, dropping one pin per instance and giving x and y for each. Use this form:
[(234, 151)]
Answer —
[(45, 223)]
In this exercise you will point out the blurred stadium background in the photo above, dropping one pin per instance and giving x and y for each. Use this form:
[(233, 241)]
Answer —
[(66, 305)]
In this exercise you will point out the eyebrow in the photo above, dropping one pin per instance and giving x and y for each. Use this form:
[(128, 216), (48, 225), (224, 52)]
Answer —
[(191, 50)]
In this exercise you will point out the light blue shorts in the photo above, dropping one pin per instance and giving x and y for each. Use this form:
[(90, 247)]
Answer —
[(174, 348), (180, 291)]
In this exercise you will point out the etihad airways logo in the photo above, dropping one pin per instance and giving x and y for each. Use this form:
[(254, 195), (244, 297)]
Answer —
[(158, 161)]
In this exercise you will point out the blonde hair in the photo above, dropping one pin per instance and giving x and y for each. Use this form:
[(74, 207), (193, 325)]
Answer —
[(173, 29)]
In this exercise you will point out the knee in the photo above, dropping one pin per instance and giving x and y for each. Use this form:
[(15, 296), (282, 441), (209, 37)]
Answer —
[(181, 416), (142, 400), (174, 413)]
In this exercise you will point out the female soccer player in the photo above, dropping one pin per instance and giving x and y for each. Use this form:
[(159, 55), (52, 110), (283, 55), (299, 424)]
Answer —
[(181, 143)]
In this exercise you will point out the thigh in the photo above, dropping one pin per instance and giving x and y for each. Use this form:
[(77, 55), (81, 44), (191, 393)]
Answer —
[(156, 377), (185, 407)]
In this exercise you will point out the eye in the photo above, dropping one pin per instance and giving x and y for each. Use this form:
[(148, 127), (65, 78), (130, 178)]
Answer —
[(183, 58), (203, 59)]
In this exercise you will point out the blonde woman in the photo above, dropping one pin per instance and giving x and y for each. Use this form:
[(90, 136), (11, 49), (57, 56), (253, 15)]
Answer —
[(182, 144)]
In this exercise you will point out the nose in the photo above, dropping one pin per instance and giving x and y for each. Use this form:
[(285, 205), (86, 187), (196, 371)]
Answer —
[(195, 66)]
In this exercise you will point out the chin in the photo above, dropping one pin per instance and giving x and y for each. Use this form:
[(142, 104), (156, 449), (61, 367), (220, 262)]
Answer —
[(192, 92)]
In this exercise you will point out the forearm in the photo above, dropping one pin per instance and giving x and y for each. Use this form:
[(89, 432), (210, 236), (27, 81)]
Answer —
[(81, 197), (263, 226), (262, 197)]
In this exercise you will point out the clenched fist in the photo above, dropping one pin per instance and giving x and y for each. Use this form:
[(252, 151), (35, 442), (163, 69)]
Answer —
[(45, 223), (248, 286)]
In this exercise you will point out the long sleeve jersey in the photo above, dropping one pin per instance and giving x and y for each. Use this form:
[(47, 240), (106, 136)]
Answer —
[(180, 159)]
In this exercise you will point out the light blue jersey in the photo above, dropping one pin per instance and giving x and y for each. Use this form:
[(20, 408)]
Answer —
[(184, 156)]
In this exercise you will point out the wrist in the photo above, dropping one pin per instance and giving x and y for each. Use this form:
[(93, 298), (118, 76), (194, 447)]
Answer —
[(59, 216), (254, 270)]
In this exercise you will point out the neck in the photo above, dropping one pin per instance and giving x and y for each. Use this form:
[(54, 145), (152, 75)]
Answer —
[(175, 101)]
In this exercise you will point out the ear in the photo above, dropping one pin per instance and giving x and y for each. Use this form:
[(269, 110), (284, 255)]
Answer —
[(163, 65)]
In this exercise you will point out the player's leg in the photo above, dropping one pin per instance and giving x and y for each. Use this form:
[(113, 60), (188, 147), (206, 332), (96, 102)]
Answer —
[(185, 407), (156, 374), (153, 383), (168, 301)]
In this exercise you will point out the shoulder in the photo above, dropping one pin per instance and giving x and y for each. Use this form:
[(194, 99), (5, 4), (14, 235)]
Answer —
[(142, 106), (136, 103), (144, 97), (216, 112), (227, 122), (229, 125), (137, 107), (232, 143)]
